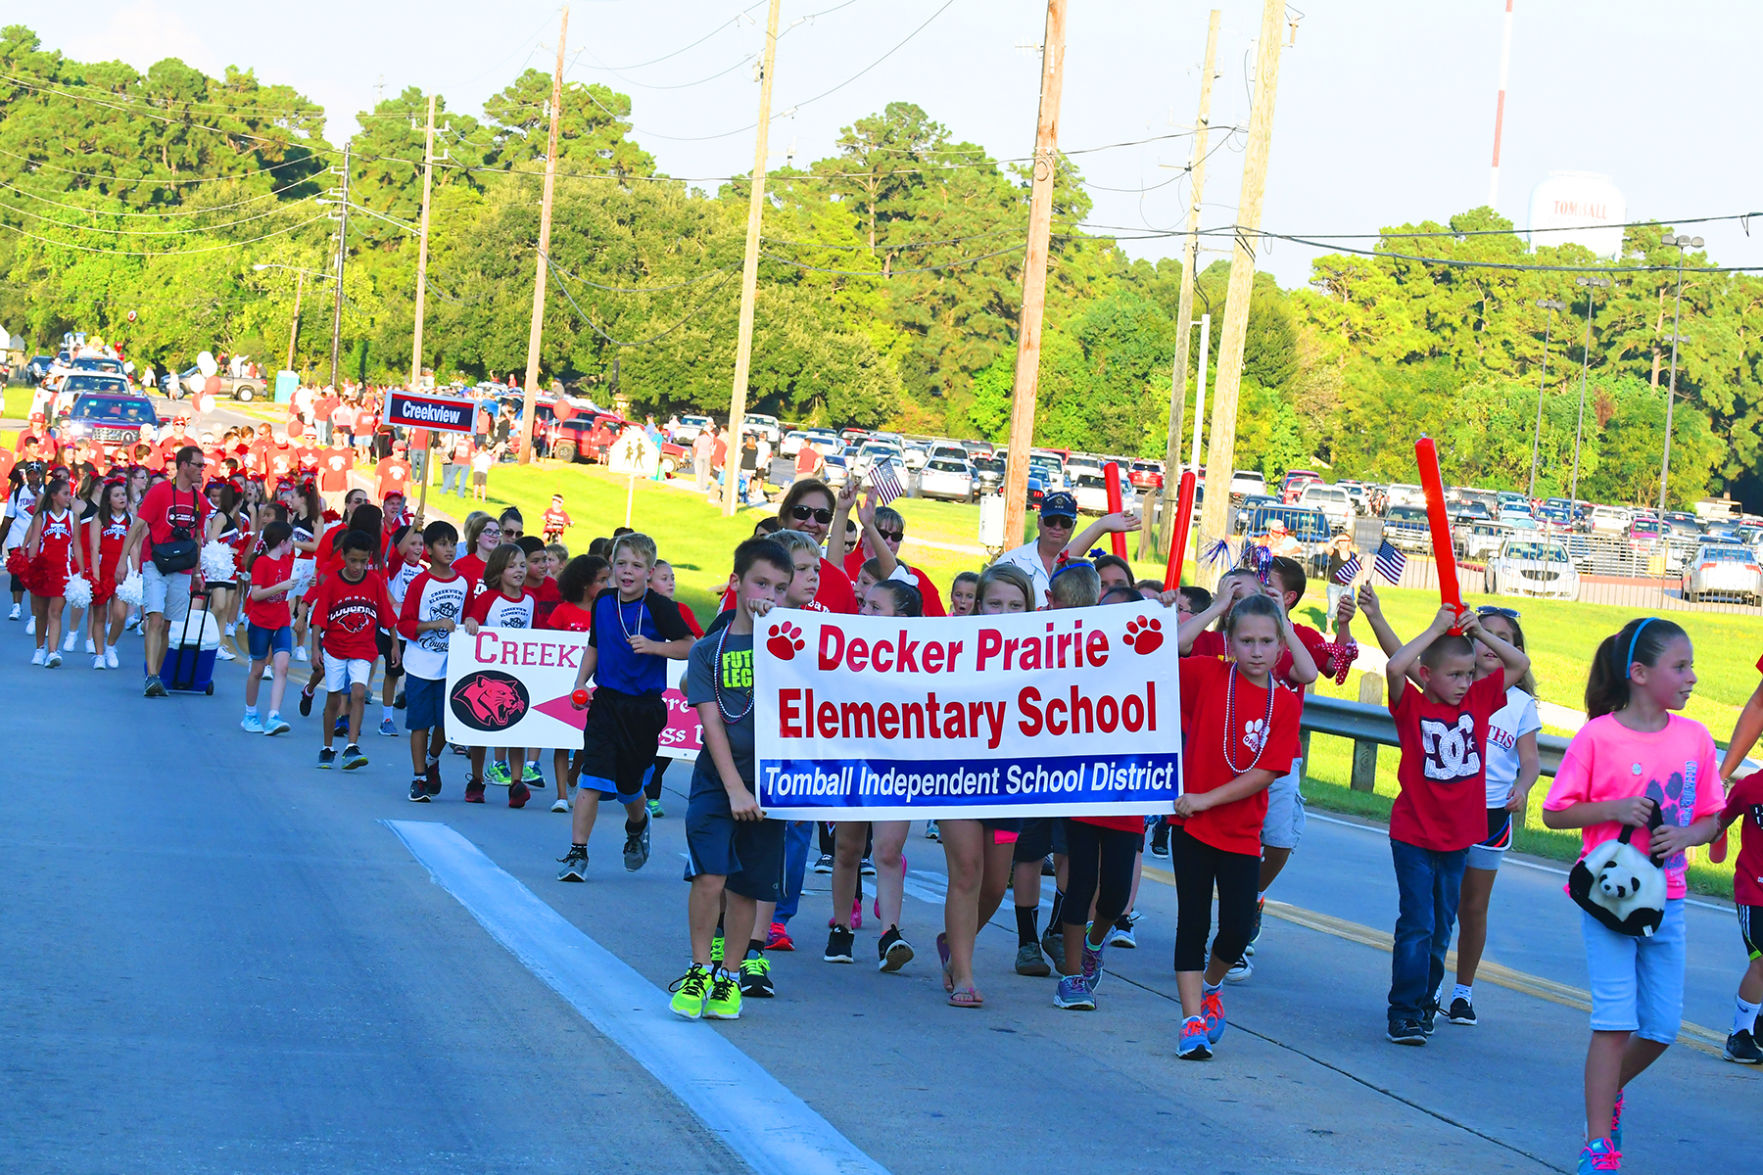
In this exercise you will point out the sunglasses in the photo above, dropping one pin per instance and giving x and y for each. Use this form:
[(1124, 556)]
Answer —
[(804, 513), (892, 536), (1492, 610), (1058, 521)]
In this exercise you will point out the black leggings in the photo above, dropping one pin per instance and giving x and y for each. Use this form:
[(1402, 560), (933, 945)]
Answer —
[(1198, 867), (1099, 865)]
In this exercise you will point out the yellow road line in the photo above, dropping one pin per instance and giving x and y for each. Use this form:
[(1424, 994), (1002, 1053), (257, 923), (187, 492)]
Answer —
[(1695, 1035)]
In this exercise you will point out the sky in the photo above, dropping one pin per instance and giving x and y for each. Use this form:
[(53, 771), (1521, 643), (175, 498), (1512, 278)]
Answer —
[(1384, 114)]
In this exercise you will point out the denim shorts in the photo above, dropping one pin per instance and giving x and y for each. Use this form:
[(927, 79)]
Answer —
[(266, 642), (424, 703), (1637, 983), (1283, 826)]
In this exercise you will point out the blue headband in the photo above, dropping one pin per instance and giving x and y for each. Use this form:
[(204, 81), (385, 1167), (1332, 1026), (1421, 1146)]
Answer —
[(1628, 665)]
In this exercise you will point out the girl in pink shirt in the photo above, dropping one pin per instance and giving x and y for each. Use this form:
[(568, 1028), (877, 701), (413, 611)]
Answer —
[(1636, 756)]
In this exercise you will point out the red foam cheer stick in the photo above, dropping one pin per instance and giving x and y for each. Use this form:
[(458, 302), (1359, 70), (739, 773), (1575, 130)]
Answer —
[(1426, 454), (1111, 474), (1184, 517)]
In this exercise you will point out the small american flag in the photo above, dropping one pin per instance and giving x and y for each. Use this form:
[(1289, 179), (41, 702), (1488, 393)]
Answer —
[(885, 479), (1389, 562), (1349, 570)]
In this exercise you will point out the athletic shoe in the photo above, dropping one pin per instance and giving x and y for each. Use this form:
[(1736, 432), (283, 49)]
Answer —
[(560, 805), (756, 979), (30, 627), (1616, 1125), (1160, 841), (14, 615), (1240, 970), (98, 661), (68, 644), (111, 659), (1121, 936), (1599, 1155), (224, 653), (1255, 927), (431, 777), (1053, 942), (867, 868), (718, 948), (474, 790), (777, 938), (1429, 1014), (327, 758), (689, 993), (1193, 1045), (1741, 1047), (1212, 1012), (931, 831), (1090, 966), (656, 811), (275, 724), (300, 654), (575, 864), (419, 794), (388, 728), (825, 864), (892, 952), (1406, 1032), (838, 946), (251, 724), (340, 728), (53, 662), (1047, 869), (725, 998), (353, 758), (305, 706), (1462, 1012), (497, 773), (398, 702), (155, 687), (636, 847), (530, 774), (38, 657), (518, 794), (1074, 995), (1030, 961)]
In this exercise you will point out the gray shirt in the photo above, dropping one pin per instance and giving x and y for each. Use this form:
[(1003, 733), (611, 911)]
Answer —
[(730, 684)]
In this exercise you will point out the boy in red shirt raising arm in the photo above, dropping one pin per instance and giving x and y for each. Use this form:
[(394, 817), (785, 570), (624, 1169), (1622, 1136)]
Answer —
[(1442, 728), (348, 610)]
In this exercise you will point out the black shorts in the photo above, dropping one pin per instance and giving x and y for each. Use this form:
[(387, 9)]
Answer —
[(749, 853), (384, 640), (619, 741), (1751, 930), (1039, 836)]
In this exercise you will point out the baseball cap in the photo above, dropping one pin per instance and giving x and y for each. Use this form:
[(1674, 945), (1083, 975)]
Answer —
[(1061, 503)]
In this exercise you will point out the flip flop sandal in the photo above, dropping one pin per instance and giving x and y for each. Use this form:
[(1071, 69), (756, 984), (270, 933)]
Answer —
[(943, 954), (966, 997)]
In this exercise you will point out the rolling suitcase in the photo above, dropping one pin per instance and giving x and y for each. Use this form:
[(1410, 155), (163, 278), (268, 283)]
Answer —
[(189, 657)]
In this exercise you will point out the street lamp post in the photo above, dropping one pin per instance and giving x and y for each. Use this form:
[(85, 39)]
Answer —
[(1536, 437), (1678, 243), (1592, 286)]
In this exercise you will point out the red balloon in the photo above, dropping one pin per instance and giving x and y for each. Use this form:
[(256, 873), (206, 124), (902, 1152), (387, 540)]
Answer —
[(563, 410), (295, 429)]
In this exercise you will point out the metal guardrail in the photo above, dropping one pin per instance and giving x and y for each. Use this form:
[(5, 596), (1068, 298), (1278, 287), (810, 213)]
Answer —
[(1372, 726)]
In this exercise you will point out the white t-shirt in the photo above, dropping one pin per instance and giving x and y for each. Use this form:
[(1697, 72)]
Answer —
[(1028, 558), (18, 508), (1511, 722)]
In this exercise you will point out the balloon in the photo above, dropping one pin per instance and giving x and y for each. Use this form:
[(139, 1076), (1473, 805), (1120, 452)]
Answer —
[(196, 383), (205, 404), (563, 410), (295, 429), (205, 364), (131, 316)]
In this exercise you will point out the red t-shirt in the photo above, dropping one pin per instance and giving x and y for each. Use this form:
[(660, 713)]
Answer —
[(333, 469), (545, 598), (394, 477), (569, 618), (472, 568), (1211, 643), (1206, 702), (1745, 801), (927, 588), (164, 507), (690, 620), (1443, 802), (835, 593), (351, 614), (267, 572), (283, 460)]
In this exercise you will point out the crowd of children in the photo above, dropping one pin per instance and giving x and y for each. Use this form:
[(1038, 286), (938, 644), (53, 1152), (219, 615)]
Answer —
[(370, 586)]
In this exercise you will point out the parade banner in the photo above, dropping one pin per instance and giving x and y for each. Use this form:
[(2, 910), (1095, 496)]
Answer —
[(510, 687), (1058, 713)]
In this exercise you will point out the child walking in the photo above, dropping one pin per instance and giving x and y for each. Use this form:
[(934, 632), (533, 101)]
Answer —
[(434, 604), (1634, 757), (269, 633), (350, 606)]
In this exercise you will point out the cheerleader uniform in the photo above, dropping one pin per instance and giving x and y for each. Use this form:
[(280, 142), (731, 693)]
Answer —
[(53, 566), (111, 540)]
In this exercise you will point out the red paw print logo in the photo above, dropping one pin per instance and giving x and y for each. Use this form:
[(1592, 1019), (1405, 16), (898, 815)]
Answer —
[(785, 642), (1144, 635)]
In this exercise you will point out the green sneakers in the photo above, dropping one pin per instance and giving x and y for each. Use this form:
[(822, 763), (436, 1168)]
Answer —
[(690, 993), (725, 998)]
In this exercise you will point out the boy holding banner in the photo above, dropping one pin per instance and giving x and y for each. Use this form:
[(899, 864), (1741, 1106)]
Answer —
[(732, 850)]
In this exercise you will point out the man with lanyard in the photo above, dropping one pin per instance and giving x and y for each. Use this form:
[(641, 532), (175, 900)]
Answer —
[(1058, 517), (169, 507)]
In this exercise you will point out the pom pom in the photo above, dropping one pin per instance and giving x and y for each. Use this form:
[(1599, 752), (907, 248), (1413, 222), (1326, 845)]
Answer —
[(217, 562), (78, 592), (132, 590), (18, 563), (1218, 552), (332, 516)]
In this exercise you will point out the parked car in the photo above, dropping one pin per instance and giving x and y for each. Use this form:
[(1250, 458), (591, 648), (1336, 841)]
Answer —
[(1403, 494), (1333, 501), (1245, 482), (792, 443), (1303, 523), (989, 472), (979, 449), (948, 452), (1249, 505), (1091, 491), (759, 424), (38, 367), (1146, 475), (689, 428), (1608, 520), (949, 480), (1049, 468), (1407, 528), (221, 386), (111, 417), (1293, 483), (835, 472), (1726, 570), (1531, 567), (1479, 541), (916, 456)]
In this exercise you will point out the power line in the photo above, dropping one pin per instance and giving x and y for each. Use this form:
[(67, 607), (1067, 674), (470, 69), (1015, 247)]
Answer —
[(169, 212), (699, 280), (595, 327), (731, 21), (148, 232), (1015, 249), (1466, 263), (111, 177), (148, 114), (162, 252)]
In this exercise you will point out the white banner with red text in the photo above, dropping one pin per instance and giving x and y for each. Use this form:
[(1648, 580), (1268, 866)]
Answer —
[(510, 687), (1062, 713)]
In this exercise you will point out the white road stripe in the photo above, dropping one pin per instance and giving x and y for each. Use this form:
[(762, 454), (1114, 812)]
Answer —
[(771, 1129)]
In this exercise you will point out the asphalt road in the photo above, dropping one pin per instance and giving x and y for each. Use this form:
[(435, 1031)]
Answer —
[(217, 958)]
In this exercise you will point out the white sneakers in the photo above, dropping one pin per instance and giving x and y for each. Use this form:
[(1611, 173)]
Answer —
[(300, 653), (111, 660), (98, 662), (37, 657), (68, 644)]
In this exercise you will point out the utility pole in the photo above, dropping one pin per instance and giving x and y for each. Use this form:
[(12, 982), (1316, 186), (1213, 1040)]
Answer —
[(1034, 274), (342, 250), (1221, 448), (537, 330), (294, 330), (1184, 313), (1591, 285), (737, 400), (422, 251), (1536, 438)]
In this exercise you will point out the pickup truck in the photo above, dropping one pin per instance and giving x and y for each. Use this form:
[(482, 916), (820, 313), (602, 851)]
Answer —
[(177, 385), (1245, 482)]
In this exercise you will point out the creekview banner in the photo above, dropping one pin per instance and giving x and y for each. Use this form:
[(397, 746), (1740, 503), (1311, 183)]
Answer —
[(510, 687), (1061, 713)]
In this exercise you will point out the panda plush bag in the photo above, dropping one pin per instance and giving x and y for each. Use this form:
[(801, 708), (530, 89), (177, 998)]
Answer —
[(1621, 886)]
